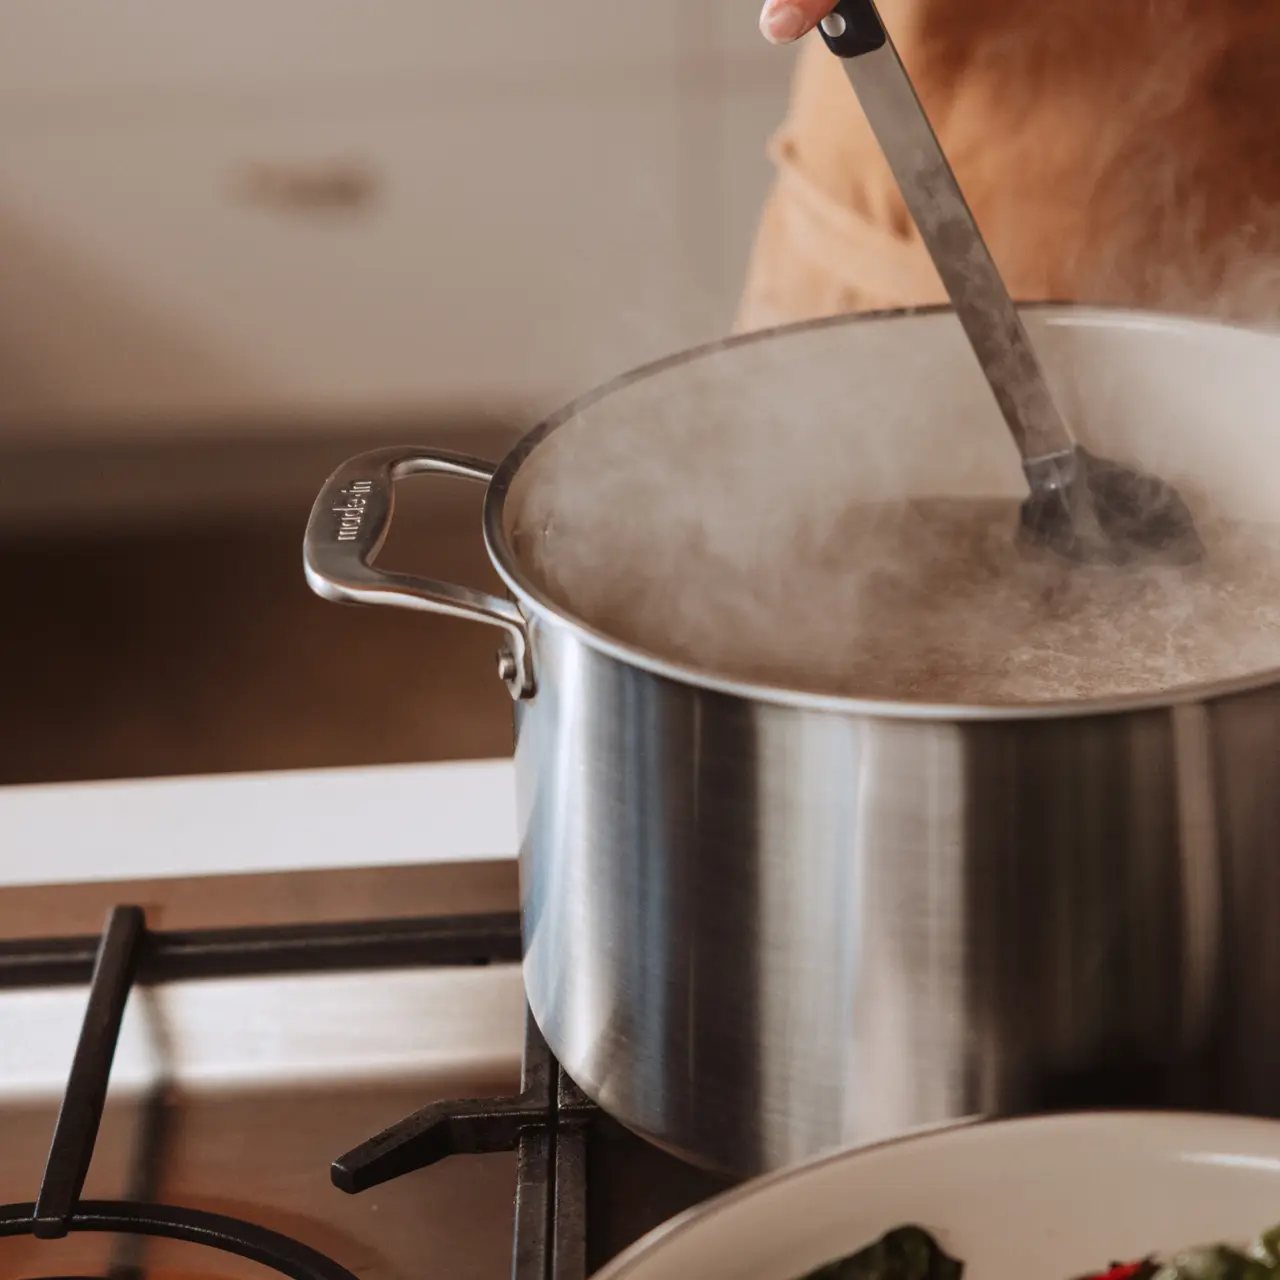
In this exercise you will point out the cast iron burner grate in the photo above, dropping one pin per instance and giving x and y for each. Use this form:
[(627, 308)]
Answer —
[(567, 1225), (128, 952)]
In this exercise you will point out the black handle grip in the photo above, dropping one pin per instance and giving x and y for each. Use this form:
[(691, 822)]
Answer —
[(853, 28)]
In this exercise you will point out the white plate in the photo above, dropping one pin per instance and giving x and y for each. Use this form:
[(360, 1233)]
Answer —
[(1042, 1199)]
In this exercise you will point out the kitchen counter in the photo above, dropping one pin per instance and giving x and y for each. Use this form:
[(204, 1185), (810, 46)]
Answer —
[(233, 1093), (310, 820), (266, 1079), (265, 848)]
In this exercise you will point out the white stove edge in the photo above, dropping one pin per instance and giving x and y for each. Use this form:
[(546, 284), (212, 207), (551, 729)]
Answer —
[(395, 815), (259, 1033)]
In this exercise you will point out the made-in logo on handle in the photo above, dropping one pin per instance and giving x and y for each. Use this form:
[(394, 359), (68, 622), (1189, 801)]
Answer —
[(351, 516)]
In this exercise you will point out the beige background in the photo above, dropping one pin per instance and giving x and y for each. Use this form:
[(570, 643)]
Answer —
[(238, 244)]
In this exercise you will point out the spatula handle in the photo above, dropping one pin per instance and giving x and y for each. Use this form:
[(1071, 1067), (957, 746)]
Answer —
[(854, 33), (853, 28)]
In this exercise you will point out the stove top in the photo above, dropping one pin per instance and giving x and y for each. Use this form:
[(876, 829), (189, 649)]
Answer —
[(283, 1100)]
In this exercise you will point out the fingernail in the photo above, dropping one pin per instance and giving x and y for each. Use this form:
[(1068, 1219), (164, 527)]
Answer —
[(782, 23)]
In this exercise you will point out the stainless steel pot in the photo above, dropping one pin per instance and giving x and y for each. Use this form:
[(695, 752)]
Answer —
[(760, 922)]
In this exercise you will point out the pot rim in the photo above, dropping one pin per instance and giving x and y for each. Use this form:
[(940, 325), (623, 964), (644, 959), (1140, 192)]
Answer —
[(533, 600)]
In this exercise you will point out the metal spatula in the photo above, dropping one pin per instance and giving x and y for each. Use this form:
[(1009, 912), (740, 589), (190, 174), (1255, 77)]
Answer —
[(1081, 506)]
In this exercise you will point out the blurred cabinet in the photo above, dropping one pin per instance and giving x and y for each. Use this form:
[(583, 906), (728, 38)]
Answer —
[(310, 210)]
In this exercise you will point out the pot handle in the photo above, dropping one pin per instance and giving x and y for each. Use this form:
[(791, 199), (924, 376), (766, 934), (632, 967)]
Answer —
[(349, 524)]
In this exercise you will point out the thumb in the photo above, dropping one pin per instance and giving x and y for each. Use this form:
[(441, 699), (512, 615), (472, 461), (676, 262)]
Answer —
[(783, 21)]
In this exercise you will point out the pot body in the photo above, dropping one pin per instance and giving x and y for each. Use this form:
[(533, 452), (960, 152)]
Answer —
[(760, 925), (756, 931)]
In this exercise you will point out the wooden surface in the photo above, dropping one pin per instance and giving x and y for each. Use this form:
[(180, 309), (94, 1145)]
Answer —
[(234, 902), (200, 649)]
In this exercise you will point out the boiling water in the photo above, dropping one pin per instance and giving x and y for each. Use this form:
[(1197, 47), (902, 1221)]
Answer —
[(934, 601)]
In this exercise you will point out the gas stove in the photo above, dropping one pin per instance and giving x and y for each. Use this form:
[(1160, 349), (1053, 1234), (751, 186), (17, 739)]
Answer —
[(322, 1101)]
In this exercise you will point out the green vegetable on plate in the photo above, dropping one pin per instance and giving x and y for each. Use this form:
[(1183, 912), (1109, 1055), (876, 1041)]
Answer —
[(911, 1253)]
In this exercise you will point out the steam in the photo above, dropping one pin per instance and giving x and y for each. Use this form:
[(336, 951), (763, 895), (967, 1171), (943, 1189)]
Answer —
[(833, 511), (934, 601)]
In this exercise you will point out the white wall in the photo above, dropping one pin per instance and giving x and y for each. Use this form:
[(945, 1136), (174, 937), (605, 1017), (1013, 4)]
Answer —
[(308, 210)]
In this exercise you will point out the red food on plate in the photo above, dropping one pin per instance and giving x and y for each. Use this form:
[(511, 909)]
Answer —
[(1124, 1271)]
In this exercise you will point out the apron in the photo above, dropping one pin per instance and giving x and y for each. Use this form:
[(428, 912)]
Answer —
[(1130, 162), (815, 256)]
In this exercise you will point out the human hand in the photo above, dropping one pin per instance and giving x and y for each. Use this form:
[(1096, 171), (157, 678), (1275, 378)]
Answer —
[(783, 21)]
